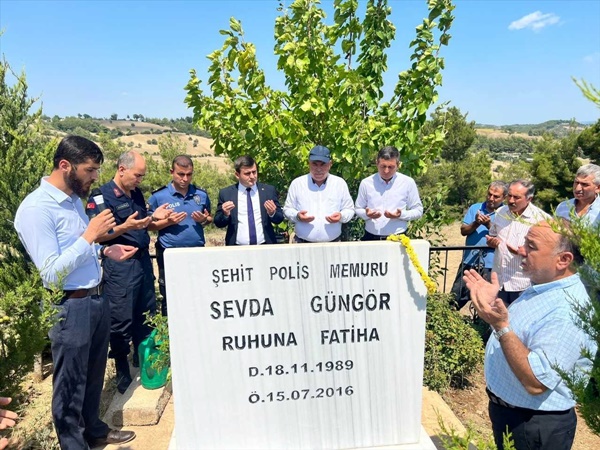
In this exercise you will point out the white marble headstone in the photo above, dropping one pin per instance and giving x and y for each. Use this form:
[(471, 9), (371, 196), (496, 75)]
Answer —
[(312, 346)]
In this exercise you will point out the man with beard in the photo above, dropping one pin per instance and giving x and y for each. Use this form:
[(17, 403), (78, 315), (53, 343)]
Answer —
[(128, 285), (507, 233), (534, 341), (58, 236), (476, 226), (190, 213), (585, 190)]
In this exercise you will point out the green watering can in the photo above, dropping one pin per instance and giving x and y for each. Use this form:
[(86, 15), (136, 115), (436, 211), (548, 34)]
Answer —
[(150, 378)]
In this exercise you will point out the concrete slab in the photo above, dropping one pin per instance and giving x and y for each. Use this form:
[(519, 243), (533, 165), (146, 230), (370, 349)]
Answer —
[(137, 406)]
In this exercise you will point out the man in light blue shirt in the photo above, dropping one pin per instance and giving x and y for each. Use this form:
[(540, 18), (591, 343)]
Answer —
[(57, 234), (586, 202), (476, 226), (534, 336)]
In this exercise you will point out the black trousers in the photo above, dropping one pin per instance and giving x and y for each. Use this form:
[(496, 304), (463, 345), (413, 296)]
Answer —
[(533, 430), (459, 287), (79, 348), (160, 261), (129, 287), (508, 296)]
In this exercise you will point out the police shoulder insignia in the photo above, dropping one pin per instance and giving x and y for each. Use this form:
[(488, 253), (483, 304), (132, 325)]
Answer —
[(159, 189)]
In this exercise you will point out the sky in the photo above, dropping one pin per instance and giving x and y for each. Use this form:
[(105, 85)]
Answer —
[(509, 61)]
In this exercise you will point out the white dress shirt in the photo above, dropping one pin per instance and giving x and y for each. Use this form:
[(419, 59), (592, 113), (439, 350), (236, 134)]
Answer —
[(50, 224), (243, 232), (399, 193), (512, 229), (319, 201)]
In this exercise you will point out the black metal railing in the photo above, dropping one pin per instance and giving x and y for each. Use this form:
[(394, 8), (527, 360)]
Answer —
[(481, 252)]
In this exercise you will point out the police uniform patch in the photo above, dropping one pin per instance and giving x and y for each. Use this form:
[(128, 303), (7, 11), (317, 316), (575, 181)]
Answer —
[(122, 206), (197, 199), (90, 205), (117, 192)]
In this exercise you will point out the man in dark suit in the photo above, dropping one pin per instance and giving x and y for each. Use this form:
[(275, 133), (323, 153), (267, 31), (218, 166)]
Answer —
[(248, 209)]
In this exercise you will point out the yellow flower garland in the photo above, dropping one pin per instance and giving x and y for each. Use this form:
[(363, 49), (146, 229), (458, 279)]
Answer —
[(405, 241)]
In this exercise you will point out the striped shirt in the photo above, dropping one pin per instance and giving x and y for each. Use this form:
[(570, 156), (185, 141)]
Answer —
[(512, 229), (543, 318)]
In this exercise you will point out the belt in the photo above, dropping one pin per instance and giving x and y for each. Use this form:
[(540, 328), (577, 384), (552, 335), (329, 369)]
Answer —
[(304, 241), (81, 293), (498, 401), (375, 237)]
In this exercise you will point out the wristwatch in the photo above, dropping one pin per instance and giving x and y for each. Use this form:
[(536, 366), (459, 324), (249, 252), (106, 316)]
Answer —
[(502, 331)]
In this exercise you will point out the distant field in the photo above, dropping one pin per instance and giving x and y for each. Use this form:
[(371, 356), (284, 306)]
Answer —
[(202, 152), (496, 134)]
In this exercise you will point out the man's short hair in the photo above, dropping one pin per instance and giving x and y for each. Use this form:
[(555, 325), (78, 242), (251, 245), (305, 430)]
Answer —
[(126, 160), (499, 185), (589, 169), (388, 152), (182, 161), (567, 241), (527, 185), (77, 150), (243, 161)]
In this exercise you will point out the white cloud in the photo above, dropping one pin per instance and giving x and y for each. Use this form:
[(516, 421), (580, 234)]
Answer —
[(536, 21), (592, 58)]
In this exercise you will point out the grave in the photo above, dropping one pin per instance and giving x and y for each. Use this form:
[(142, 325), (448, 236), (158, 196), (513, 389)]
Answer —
[(313, 346)]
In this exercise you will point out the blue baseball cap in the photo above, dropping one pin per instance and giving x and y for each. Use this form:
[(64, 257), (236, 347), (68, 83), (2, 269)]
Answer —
[(319, 153)]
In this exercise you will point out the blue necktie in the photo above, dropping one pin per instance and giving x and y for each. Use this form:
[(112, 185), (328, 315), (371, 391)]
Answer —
[(251, 224)]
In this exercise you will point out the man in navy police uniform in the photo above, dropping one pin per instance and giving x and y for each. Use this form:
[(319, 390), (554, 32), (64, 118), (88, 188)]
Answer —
[(190, 213), (248, 209), (128, 285)]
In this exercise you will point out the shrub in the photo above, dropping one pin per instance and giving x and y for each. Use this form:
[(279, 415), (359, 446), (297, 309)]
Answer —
[(453, 349)]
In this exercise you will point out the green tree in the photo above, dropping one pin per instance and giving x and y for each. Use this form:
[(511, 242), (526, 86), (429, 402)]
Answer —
[(459, 134), (589, 142), (553, 169), (25, 156), (114, 117), (334, 97)]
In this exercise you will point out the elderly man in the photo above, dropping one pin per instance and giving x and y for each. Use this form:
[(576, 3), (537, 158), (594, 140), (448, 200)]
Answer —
[(507, 234), (58, 236), (387, 200), (476, 226), (532, 340), (190, 213), (128, 285), (318, 203), (248, 208), (585, 190)]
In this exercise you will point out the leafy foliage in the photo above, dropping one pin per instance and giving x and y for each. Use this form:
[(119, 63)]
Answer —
[(504, 149), (332, 99), (589, 142), (453, 349), (553, 170), (459, 134), (25, 156)]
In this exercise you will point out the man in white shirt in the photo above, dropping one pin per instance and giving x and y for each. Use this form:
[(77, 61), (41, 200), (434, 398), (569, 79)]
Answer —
[(387, 200), (507, 233), (318, 203)]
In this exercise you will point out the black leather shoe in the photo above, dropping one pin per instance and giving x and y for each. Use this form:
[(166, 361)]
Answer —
[(135, 360), (113, 437)]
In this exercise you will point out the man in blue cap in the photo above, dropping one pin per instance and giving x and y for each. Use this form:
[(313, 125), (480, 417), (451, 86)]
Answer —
[(318, 203)]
